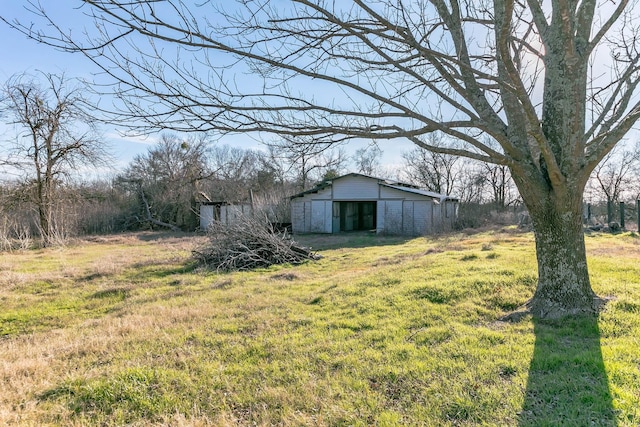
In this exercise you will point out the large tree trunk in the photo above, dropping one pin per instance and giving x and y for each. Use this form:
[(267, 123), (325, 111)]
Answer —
[(563, 288)]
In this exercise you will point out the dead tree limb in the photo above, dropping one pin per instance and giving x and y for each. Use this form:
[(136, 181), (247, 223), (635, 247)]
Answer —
[(247, 244), (150, 217)]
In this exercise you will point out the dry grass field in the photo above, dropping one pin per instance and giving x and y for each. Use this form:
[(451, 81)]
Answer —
[(126, 330)]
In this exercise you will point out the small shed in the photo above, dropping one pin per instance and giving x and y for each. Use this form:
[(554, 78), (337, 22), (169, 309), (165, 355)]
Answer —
[(221, 211), (360, 202)]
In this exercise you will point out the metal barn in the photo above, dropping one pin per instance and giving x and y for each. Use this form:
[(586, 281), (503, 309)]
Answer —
[(359, 202)]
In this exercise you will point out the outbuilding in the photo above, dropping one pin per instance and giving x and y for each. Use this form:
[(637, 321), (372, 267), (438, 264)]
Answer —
[(221, 211), (360, 202)]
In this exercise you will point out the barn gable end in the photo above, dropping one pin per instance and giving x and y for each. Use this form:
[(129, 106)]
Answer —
[(355, 187)]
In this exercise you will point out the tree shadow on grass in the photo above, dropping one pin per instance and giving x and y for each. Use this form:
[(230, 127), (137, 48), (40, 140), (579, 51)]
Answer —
[(567, 382)]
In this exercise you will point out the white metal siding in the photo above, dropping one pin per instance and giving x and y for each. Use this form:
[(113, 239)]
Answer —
[(307, 216), (324, 194), (408, 226), (422, 217), (426, 218), (206, 216), (417, 217), (328, 217), (297, 216), (380, 208), (231, 213), (321, 211), (355, 188), (393, 217), (392, 193), (437, 217)]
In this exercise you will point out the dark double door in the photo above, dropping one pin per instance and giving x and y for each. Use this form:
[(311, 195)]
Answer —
[(354, 216)]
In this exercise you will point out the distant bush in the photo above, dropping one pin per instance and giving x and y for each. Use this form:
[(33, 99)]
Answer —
[(476, 215)]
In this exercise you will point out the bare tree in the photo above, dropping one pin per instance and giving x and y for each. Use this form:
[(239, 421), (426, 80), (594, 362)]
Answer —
[(617, 174), (235, 169), (514, 73), (305, 160), (367, 160), (166, 181), (56, 136), (472, 188), (438, 172), (242, 175), (498, 178)]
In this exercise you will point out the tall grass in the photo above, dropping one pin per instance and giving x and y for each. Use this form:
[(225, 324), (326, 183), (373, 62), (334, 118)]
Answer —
[(122, 330)]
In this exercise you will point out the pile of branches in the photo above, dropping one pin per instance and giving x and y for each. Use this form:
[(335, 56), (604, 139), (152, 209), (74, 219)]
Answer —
[(247, 244)]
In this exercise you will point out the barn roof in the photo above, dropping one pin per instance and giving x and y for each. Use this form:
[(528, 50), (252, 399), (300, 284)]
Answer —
[(396, 185), (422, 192)]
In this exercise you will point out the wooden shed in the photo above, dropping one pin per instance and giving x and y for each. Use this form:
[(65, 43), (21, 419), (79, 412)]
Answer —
[(221, 211), (359, 202)]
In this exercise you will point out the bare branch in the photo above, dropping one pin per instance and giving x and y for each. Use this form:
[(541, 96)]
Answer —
[(506, 79)]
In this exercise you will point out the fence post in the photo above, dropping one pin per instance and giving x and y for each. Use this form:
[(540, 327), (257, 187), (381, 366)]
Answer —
[(609, 211), (638, 212), (622, 215)]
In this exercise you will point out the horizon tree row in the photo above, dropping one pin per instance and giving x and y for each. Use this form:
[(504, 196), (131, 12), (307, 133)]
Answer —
[(55, 138)]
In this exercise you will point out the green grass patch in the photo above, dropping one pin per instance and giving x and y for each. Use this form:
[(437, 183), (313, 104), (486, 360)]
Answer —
[(127, 396), (381, 331)]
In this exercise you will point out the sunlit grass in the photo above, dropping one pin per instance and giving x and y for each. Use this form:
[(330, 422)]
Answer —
[(381, 331)]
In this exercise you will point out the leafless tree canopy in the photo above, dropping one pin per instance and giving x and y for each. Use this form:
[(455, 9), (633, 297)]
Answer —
[(305, 160), (55, 137), (616, 177), (402, 70), (367, 160), (437, 172), (167, 179)]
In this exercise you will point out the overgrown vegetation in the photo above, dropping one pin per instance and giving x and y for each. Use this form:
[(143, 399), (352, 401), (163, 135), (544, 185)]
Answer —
[(381, 331)]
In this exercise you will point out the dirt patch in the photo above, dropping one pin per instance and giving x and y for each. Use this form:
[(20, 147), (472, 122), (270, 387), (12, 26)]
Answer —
[(395, 260), (165, 237), (290, 277)]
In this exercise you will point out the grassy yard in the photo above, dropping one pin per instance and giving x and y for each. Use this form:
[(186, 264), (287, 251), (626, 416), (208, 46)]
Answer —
[(123, 330)]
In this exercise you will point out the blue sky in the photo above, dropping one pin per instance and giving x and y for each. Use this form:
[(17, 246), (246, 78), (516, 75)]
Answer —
[(20, 54)]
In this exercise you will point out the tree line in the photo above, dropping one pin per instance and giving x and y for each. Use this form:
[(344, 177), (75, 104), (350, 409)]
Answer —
[(44, 195)]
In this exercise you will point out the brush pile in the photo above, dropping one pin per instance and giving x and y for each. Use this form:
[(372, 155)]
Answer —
[(247, 244)]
